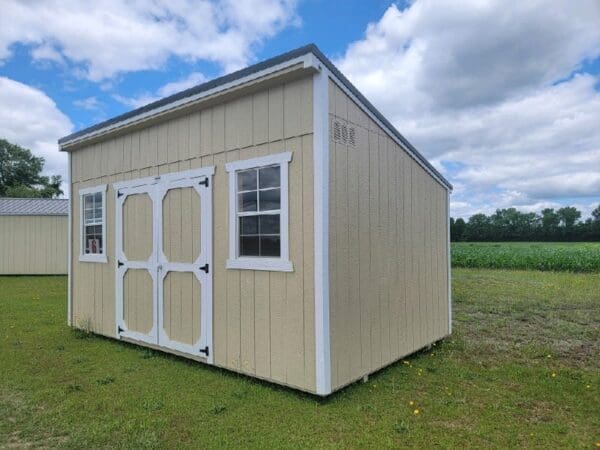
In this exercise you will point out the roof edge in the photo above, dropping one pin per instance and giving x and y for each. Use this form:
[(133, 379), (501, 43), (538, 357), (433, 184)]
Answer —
[(250, 70)]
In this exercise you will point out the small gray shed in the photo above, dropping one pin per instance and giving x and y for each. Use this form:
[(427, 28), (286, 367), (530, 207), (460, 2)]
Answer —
[(33, 236), (271, 222)]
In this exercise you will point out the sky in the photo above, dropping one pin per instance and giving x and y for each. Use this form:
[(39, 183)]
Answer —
[(502, 97)]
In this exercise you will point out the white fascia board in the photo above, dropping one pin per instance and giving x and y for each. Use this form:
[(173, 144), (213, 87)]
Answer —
[(306, 60)]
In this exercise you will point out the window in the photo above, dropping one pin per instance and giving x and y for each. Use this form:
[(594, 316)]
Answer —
[(258, 197), (93, 219)]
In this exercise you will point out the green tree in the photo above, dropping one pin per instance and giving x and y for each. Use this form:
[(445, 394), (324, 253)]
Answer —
[(20, 174), (596, 214), (569, 215)]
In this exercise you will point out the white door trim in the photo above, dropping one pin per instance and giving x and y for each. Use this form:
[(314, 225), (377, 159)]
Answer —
[(123, 264), (158, 265), (202, 267)]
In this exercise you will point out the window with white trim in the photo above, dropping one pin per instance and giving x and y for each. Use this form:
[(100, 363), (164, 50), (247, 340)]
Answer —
[(93, 224), (259, 213)]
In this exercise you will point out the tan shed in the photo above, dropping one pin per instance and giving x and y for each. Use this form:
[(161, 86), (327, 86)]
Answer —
[(271, 222), (33, 236)]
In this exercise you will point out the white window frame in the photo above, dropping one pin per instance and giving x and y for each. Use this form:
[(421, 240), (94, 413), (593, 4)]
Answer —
[(92, 257), (278, 264)]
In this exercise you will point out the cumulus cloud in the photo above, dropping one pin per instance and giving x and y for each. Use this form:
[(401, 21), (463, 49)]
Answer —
[(489, 87), (107, 37), (30, 118), (174, 87)]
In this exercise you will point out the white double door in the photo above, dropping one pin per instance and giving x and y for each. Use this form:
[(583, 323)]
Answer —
[(164, 261)]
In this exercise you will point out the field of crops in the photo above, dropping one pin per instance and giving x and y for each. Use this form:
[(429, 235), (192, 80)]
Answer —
[(571, 257)]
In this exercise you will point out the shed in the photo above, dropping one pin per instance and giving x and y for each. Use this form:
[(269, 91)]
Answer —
[(271, 222), (33, 236)]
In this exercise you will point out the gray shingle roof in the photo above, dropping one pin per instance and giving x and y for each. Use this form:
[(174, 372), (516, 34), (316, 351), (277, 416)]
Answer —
[(34, 207)]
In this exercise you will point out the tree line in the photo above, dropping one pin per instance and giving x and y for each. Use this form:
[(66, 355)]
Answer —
[(21, 174), (563, 224)]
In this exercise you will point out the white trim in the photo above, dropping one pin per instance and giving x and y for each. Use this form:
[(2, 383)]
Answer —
[(283, 263), (70, 248), (99, 257), (307, 60), (449, 266), (321, 225), (369, 113)]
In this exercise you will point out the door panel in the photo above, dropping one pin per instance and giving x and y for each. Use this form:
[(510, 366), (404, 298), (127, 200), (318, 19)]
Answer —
[(181, 225), (138, 301), (182, 307), (138, 236)]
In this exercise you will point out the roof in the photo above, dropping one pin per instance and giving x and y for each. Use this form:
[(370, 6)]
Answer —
[(34, 207), (266, 64)]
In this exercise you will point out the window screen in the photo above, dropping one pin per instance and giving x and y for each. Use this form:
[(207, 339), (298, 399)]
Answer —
[(259, 211)]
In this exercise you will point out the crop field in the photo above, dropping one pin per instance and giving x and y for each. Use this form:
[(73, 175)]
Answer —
[(571, 257), (521, 370)]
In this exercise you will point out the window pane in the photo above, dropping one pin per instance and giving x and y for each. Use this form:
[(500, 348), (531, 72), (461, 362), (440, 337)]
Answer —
[(93, 244), (247, 201), (270, 246), (269, 224), (88, 201), (98, 199), (89, 214), (270, 199), (269, 177), (249, 246), (247, 180), (249, 225)]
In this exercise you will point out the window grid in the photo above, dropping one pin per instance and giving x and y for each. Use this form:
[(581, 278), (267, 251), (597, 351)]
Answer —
[(93, 223), (252, 240)]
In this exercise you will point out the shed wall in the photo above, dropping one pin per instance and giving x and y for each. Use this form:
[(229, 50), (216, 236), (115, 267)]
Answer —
[(388, 249), (263, 322), (33, 245)]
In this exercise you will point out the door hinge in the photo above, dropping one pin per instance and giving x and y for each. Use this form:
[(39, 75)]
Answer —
[(204, 350), (119, 263), (205, 267), (119, 329), (119, 194), (204, 182)]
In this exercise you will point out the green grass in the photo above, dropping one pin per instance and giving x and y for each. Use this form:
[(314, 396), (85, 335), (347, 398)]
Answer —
[(571, 257), (489, 385)]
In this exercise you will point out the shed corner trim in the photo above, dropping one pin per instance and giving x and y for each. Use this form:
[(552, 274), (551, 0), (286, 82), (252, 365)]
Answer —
[(321, 225)]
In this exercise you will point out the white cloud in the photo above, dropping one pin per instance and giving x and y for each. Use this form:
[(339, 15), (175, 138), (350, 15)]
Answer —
[(488, 85), (89, 103), (174, 87), (108, 37), (29, 118)]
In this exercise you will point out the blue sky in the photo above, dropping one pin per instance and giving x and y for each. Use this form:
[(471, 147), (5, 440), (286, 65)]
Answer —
[(504, 99)]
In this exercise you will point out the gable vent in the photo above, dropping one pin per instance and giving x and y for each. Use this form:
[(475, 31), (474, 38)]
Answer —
[(344, 134), (337, 131)]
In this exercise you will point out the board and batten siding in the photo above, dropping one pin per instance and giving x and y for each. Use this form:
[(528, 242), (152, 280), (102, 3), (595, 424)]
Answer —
[(33, 245), (388, 249), (263, 322)]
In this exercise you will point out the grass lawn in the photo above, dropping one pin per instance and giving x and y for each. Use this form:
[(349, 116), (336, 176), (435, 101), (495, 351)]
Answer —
[(551, 256), (521, 369)]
